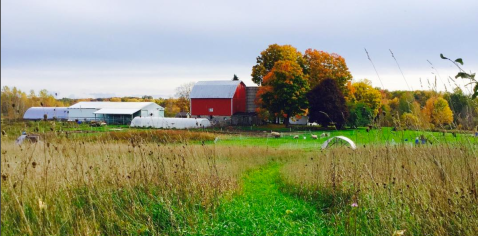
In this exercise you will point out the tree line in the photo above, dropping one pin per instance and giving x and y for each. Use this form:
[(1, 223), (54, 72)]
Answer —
[(15, 102), (319, 84)]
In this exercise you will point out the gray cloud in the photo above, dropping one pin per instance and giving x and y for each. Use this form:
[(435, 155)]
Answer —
[(54, 44)]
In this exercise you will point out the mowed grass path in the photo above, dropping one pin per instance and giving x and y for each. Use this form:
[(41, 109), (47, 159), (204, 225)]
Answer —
[(262, 209)]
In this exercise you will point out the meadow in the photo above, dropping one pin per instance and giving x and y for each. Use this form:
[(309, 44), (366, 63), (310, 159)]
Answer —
[(82, 180)]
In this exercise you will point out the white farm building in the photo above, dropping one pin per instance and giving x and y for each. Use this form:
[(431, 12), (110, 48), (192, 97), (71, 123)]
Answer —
[(113, 112), (38, 113)]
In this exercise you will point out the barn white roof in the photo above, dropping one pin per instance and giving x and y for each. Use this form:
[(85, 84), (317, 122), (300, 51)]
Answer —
[(36, 113), (111, 105), (117, 111), (214, 89)]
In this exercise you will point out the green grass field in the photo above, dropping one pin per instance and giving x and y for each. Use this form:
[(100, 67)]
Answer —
[(360, 136), (82, 180)]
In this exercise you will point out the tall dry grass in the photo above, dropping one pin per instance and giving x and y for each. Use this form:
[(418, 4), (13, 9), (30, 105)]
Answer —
[(55, 131), (427, 190), (117, 188)]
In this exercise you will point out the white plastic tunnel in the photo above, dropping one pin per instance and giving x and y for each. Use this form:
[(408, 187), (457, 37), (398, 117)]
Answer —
[(339, 140), (170, 123)]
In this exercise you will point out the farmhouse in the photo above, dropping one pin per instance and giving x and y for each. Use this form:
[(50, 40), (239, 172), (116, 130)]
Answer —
[(38, 113), (113, 112)]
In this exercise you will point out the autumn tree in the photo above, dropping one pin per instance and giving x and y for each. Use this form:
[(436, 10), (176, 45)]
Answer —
[(320, 65), (132, 100), (283, 91), (365, 93), (274, 53), (182, 92), (327, 104), (438, 112), (170, 106), (409, 120), (15, 102)]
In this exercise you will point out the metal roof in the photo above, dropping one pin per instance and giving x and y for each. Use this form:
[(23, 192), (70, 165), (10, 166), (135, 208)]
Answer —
[(117, 111), (111, 105), (215, 89), (36, 113)]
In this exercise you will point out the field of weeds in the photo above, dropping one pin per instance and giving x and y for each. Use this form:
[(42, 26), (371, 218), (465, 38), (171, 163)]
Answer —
[(76, 188), (428, 190), (176, 182)]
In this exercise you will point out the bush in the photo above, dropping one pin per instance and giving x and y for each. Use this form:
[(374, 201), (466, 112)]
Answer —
[(360, 115)]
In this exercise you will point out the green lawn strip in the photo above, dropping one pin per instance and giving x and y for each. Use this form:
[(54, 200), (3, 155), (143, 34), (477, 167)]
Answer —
[(262, 209), (359, 136)]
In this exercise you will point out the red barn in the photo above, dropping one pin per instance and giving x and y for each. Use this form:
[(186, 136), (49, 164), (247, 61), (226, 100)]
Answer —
[(218, 98)]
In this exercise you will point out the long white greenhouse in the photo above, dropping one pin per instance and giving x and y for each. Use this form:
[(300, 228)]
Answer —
[(38, 113), (170, 123)]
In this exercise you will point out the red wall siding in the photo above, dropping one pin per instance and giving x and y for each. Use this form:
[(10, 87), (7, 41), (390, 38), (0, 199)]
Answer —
[(220, 106), (239, 100)]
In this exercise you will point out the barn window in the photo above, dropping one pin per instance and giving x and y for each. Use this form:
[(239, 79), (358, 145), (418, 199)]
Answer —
[(211, 109)]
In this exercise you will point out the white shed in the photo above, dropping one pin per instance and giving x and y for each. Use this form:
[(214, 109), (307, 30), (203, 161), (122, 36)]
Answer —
[(113, 112), (170, 123), (37, 113), (302, 121)]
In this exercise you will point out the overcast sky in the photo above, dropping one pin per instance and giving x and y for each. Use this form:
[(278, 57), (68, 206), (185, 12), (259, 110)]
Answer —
[(93, 48)]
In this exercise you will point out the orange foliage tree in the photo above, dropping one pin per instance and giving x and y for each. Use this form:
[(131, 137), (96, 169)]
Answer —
[(273, 54), (283, 91), (321, 65)]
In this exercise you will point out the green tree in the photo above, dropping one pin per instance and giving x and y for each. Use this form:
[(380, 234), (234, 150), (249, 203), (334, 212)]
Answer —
[(464, 108), (405, 101), (327, 104), (359, 114), (274, 53), (235, 77), (283, 91)]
